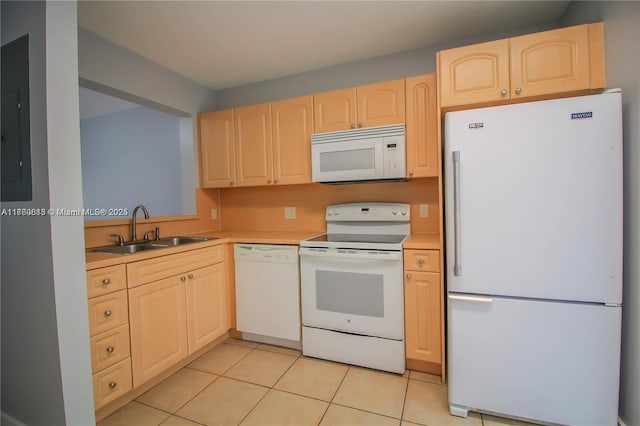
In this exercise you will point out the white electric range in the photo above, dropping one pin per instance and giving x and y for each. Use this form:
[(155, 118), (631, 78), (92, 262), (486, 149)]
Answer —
[(352, 286)]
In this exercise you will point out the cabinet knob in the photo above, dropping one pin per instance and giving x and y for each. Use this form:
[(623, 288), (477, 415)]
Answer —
[(353, 126), (110, 349), (113, 385), (106, 281), (408, 276), (420, 261), (410, 172), (231, 183), (108, 313), (518, 90), (183, 279), (269, 181), (359, 124), (275, 181), (503, 92), (190, 276)]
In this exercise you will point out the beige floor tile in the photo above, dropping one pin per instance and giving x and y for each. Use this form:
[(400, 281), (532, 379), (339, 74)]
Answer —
[(177, 390), (338, 415), (427, 404), (261, 367), (406, 423), (179, 421), (279, 350), (224, 402), (244, 343), (425, 377), (313, 378), (374, 391), (282, 408), (135, 413), (488, 420), (220, 359)]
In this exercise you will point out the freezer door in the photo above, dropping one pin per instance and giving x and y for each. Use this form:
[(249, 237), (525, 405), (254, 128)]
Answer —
[(539, 199), (546, 361)]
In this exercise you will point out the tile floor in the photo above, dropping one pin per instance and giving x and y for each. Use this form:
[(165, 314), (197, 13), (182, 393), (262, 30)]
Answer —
[(247, 383)]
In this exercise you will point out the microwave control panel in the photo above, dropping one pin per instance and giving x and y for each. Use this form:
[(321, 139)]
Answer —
[(394, 156)]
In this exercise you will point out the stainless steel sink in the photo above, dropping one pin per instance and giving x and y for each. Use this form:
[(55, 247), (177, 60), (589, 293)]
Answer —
[(150, 245)]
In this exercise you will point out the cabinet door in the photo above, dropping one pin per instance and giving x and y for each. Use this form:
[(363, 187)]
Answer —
[(333, 111), (158, 327), (206, 306), (292, 128), (550, 62), (422, 316), (474, 74), (252, 129), (381, 104), (423, 150), (218, 163)]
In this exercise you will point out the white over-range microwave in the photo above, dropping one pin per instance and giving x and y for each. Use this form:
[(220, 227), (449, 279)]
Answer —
[(369, 154)]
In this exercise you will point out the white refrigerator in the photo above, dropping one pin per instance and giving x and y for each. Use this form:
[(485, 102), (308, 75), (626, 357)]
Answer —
[(533, 216)]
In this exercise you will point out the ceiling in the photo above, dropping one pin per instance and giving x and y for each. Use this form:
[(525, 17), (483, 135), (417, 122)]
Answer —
[(223, 44)]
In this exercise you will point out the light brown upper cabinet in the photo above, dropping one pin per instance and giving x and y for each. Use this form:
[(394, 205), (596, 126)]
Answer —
[(423, 150), (376, 104), (218, 164), (292, 125), (252, 137), (535, 65)]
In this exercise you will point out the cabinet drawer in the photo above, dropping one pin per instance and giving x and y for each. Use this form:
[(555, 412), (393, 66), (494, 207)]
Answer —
[(111, 382), (146, 271), (110, 347), (422, 260), (107, 312), (106, 280)]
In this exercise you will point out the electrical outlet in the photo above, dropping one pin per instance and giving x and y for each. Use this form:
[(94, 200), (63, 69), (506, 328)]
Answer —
[(289, 212), (214, 213), (424, 210)]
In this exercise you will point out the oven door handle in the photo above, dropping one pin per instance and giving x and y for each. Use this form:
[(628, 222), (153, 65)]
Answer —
[(351, 254)]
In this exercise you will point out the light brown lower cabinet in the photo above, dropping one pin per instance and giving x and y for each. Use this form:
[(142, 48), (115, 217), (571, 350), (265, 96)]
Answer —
[(423, 311)]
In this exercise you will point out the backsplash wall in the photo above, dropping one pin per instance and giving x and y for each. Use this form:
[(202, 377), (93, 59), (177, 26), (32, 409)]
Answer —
[(262, 208)]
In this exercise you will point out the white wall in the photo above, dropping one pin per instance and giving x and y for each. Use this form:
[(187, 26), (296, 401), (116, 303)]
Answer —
[(46, 371), (622, 63)]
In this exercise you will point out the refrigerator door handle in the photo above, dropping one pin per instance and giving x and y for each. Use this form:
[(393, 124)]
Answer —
[(480, 299), (457, 266)]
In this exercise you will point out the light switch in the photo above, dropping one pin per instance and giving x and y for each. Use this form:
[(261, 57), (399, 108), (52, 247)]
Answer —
[(424, 210), (214, 213), (289, 212)]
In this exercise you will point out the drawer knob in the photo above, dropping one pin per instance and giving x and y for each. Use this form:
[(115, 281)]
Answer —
[(183, 279), (113, 385), (110, 349), (190, 276), (410, 172), (420, 261), (503, 92), (108, 313), (353, 126), (359, 125), (106, 281), (518, 90), (408, 276)]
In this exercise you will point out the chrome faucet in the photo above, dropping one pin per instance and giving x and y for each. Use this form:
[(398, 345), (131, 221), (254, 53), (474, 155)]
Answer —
[(133, 220)]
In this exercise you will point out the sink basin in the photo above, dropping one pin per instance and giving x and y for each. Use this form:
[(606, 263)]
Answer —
[(150, 245), (176, 241), (127, 249)]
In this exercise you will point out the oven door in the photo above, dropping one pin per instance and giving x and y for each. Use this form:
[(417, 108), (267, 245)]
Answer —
[(347, 160), (353, 291)]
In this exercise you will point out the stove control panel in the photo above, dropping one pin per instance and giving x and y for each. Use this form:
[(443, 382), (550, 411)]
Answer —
[(358, 212)]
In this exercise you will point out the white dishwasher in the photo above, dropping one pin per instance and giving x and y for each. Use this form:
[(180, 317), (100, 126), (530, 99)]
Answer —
[(268, 293)]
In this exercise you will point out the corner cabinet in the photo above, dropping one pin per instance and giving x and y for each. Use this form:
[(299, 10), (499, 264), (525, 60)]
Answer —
[(422, 139), (371, 105), (423, 302), (217, 150), (540, 65)]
